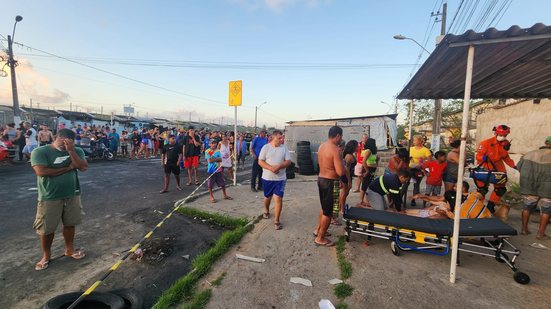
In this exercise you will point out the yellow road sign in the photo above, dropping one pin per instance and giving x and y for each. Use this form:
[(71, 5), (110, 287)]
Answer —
[(235, 93)]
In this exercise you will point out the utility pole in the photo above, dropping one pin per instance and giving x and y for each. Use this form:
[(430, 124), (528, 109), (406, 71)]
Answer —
[(437, 121), (70, 106), (255, 114)]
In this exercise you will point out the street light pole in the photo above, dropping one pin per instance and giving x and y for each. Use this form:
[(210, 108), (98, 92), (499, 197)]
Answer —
[(12, 63), (401, 37), (255, 115)]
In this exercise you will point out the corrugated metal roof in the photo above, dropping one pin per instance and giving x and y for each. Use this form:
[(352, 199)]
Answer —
[(392, 116), (515, 63)]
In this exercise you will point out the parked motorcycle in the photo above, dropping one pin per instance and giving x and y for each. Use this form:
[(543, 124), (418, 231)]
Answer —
[(97, 150)]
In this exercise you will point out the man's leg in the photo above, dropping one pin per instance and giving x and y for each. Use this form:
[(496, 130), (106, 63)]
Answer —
[(324, 222), (211, 194), (543, 224), (267, 201), (69, 236), (259, 177), (46, 245), (254, 174), (177, 177), (277, 208), (189, 174), (525, 218), (166, 182)]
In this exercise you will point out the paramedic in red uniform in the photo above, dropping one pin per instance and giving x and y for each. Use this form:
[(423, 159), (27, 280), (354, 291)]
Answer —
[(493, 154)]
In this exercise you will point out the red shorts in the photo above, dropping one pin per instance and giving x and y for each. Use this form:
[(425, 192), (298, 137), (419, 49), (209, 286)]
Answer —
[(191, 161)]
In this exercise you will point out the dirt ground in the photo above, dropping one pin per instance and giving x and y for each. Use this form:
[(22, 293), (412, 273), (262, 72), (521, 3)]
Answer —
[(119, 211), (380, 279)]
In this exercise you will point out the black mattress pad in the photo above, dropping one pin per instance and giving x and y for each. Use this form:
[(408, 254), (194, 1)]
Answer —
[(441, 227)]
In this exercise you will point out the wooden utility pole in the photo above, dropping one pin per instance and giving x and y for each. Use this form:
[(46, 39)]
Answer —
[(437, 121)]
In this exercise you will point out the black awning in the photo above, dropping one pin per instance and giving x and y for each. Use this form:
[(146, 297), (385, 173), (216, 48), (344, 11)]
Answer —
[(515, 63)]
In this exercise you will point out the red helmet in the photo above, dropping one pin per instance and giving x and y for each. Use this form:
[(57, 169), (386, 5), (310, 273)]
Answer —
[(502, 130)]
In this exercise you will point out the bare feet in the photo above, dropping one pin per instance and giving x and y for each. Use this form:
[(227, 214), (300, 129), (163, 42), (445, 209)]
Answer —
[(163, 191)]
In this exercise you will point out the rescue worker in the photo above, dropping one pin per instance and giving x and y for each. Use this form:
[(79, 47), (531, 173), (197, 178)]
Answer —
[(493, 154)]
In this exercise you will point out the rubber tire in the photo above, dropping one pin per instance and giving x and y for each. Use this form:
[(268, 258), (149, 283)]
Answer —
[(521, 277), (394, 248), (132, 299), (109, 156), (93, 300)]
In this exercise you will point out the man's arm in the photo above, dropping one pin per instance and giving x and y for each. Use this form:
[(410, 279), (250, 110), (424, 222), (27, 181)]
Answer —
[(339, 168), (76, 161), (43, 171), (429, 198)]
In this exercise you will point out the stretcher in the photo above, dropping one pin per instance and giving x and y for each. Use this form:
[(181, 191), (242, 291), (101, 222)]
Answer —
[(486, 237)]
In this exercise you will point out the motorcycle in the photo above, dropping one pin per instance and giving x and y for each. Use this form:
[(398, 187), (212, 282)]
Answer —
[(97, 150)]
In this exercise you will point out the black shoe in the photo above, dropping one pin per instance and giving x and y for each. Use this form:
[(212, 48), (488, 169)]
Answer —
[(254, 190), (259, 189)]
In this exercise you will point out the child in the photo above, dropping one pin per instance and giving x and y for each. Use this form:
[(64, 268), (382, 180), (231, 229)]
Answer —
[(214, 158), (435, 171)]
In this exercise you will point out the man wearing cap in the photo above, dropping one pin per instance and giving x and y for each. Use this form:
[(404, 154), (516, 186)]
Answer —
[(56, 168), (535, 186), (256, 145), (493, 154)]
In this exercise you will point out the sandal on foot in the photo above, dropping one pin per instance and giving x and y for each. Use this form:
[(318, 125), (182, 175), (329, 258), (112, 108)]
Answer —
[(228, 198), (42, 265), (188, 184), (77, 255), (266, 215), (326, 244), (212, 200), (164, 191), (525, 233), (197, 182), (543, 237), (326, 234), (278, 226)]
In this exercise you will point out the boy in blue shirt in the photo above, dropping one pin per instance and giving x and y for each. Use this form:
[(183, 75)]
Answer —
[(214, 158)]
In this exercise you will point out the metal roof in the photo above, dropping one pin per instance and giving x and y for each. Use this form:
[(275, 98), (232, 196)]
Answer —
[(392, 116), (515, 63)]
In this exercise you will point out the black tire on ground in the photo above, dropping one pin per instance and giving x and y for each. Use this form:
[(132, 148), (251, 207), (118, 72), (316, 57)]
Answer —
[(301, 143), (521, 277), (132, 299), (95, 300), (307, 172)]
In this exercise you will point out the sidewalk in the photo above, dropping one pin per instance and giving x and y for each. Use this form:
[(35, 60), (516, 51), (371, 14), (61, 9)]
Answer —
[(289, 252), (379, 278)]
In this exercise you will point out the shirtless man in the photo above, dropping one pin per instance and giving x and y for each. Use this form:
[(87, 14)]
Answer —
[(45, 136), (331, 168)]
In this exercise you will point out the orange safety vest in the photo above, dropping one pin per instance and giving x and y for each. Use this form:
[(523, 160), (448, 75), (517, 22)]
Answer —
[(473, 207), (495, 152)]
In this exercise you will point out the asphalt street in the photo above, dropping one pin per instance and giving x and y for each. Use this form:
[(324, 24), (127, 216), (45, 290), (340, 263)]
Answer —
[(122, 202)]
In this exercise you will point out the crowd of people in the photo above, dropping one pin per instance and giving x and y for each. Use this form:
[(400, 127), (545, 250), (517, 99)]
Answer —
[(339, 162)]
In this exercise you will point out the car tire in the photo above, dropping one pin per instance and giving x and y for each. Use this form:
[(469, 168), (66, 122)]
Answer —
[(94, 300)]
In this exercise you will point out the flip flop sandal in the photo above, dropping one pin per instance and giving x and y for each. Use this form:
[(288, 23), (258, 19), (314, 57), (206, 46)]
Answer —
[(278, 226), (188, 184), (165, 191), (327, 244), (42, 266), (228, 198), (525, 233), (77, 255), (266, 215), (326, 234), (197, 183), (213, 201)]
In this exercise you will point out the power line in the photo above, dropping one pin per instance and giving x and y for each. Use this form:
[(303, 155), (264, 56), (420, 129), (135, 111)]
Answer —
[(455, 16), (235, 65), (505, 4), (123, 77)]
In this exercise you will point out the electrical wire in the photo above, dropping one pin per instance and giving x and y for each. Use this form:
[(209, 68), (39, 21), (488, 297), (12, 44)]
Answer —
[(506, 9), (501, 11), (455, 16)]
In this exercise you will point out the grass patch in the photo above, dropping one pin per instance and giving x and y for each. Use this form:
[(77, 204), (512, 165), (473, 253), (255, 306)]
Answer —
[(341, 306), (200, 300), (222, 220), (344, 265), (343, 290), (218, 281), (184, 288)]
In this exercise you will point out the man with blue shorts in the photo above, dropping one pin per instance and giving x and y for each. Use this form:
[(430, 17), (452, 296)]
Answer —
[(274, 158)]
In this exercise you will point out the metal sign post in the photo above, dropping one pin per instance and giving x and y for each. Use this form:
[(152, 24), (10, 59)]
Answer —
[(235, 100)]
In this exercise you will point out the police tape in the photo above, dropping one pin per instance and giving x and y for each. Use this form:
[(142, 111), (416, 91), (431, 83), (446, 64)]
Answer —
[(177, 206)]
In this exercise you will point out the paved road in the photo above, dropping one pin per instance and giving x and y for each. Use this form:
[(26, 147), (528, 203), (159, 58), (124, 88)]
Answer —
[(122, 202)]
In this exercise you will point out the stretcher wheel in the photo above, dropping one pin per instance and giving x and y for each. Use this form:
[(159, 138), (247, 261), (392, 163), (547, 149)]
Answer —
[(395, 249), (502, 257), (521, 277)]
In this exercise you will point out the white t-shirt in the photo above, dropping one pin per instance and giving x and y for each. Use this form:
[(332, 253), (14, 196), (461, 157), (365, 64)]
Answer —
[(274, 156), (31, 140), (226, 155)]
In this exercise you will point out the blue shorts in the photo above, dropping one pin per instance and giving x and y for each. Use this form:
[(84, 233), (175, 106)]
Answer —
[(272, 187)]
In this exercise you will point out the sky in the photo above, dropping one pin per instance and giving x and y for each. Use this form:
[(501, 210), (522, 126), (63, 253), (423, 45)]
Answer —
[(307, 59)]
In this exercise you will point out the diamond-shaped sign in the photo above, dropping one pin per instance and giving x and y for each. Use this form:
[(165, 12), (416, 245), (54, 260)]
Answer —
[(235, 93)]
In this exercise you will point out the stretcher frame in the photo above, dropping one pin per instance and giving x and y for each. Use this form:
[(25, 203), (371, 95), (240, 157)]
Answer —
[(497, 247)]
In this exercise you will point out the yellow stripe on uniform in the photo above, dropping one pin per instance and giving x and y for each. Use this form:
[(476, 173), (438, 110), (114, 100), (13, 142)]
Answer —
[(114, 267), (92, 288)]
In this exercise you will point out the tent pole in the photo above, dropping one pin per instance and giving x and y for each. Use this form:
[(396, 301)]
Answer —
[(461, 172), (410, 128)]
